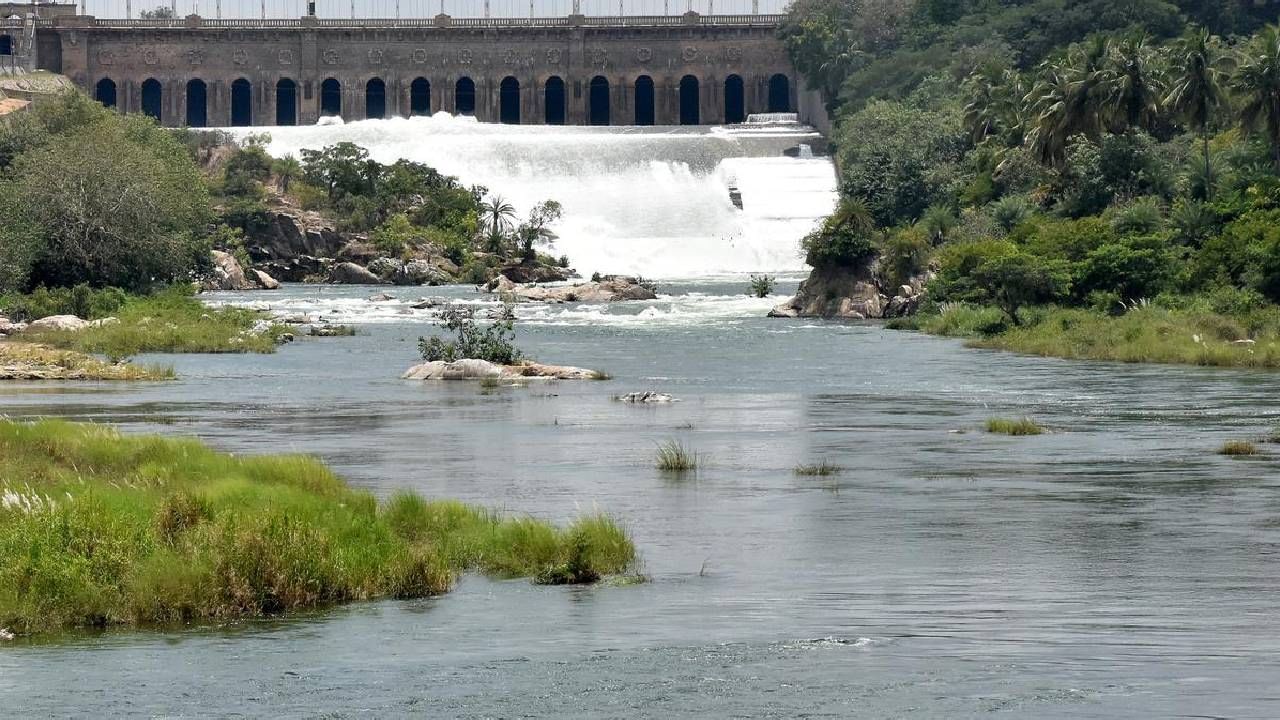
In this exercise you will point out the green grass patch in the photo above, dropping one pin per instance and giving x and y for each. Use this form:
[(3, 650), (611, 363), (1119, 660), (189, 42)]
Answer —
[(1017, 428), (1239, 448), (99, 529), (28, 361), (1147, 334), (673, 456), (172, 321), (819, 469)]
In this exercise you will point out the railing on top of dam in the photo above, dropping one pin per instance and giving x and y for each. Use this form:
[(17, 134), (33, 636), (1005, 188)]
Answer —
[(442, 21)]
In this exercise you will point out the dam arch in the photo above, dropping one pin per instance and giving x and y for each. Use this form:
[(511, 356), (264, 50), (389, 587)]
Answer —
[(105, 92), (598, 110), (553, 101), (197, 115), (331, 98), (241, 103), (286, 102), (420, 96), (152, 99)]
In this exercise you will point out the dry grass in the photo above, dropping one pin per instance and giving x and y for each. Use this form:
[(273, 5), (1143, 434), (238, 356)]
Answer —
[(32, 361)]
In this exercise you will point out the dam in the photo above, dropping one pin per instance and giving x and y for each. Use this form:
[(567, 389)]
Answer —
[(683, 69)]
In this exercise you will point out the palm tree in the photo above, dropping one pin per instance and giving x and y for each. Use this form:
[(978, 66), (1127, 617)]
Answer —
[(1135, 91), (498, 214), (286, 169), (995, 107), (1198, 88), (1068, 100), (1257, 83)]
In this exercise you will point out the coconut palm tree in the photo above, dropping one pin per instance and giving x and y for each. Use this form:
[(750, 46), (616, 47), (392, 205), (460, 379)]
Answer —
[(1257, 84), (995, 107), (1198, 87), (497, 214), (1068, 100), (1135, 84), (287, 169)]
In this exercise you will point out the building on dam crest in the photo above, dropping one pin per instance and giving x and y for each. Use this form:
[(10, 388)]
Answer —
[(685, 69)]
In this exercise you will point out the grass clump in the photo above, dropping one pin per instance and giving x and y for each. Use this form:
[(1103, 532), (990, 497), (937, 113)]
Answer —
[(98, 529), (819, 469), (673, 456), (172, 321), (1017, 428), (30, 361), (1239, 448)]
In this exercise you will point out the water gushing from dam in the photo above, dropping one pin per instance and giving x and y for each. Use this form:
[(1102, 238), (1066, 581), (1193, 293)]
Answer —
[(652, 201)]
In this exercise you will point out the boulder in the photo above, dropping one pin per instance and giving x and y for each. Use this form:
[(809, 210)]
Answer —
[(227, 273), (609, 289), (414, 272), (58, 322), (469, 369), (288, 234), (352, 274), (303, 268), (837, 292), (522, 273), (381, 297), (264, 281), (8, 327)]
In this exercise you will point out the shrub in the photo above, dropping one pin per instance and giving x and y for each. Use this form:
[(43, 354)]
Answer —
[(1010, 212), (395, 235), (819, 469), (846, 239), (762, 285), (1023, 279), (1020, 427), (1140, 217), (904, 254), (494, 342)]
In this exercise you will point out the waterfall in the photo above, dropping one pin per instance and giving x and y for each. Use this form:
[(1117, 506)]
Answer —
[(650, 201)]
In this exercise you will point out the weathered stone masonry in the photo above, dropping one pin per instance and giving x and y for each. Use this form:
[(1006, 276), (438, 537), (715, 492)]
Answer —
[(218, 73)]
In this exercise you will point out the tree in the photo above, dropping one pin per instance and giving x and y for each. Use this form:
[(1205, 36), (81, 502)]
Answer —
[(1068, 100), (117, 203), (287, 169), (846, 239), (1257, 83), (1020, 279), (1135, 85), (1198, 88), (342, 169), (535, 230), (995, 107), (497, 216), (160, 12)]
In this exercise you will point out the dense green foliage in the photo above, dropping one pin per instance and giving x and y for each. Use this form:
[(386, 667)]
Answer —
[(1081, 154), (493, 342), (91, 196), (98, 529)]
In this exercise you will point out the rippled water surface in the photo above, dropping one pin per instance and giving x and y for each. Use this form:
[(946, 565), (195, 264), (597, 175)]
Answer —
[(1115, 567)]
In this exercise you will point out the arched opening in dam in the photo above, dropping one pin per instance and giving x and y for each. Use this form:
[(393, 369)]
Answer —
[(6, 44), (464, 96), (105, 92), (644, 100), (779, 94), (509, 101), (598, 100), (689, 112), (152, 99), (330, 97), (553, 101), (241, 103), (420, 97), (375, 99), (735, 96), (286, 102), (197, 115)]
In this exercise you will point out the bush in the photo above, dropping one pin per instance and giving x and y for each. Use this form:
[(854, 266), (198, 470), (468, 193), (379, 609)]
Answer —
[(762, 285), (1022, 279), (673, 456), (1020, 427), (494, 342), (904, 254), (81, 301), (1238, 448), (846, 239)]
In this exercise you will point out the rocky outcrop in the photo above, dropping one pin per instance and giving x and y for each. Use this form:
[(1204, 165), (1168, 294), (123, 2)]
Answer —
[(646, 397), (523, 273), (9, 327), (304, 268), (469, 369), (413, 272), (853, 294), (352, 274), (612, 288), (288, 234), (263, 280), (227, 274)]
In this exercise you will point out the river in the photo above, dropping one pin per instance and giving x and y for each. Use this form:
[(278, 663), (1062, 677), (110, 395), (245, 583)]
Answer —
[(1114, 567)]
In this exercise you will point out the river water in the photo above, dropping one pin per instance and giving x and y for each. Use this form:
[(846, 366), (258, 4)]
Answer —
[(1114, 567)]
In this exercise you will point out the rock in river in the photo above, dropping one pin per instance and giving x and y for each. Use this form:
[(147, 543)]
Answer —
[(468, 369)]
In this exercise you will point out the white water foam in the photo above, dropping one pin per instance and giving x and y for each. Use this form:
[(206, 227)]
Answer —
[(649, 201)]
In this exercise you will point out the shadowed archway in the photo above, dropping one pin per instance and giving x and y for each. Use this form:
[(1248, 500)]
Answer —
[(105, 92), (6, 44), (152, 99), (735, 100), (241, 103), (286, 102), (553, 101), (779, 93), (464, 96), (331, 97), (689, 113), (197, 104), (598, 101), (375, 99), (420, 97), (644, 101), (509, 101)]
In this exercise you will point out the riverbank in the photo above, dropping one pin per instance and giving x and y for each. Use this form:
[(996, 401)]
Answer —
[(1148, 334), (99, 529), (29, 361)]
